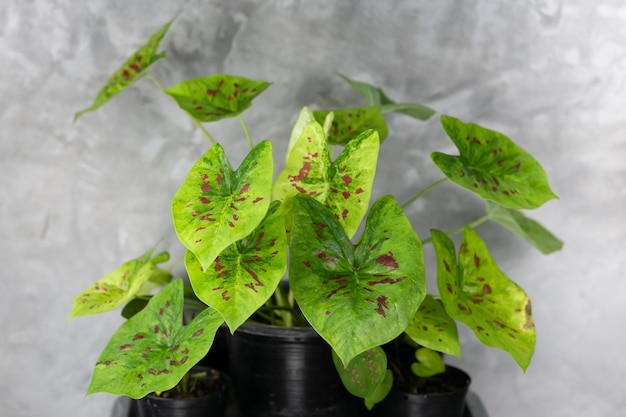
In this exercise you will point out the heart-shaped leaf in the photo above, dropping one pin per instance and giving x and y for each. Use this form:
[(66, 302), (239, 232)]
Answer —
[(344, 186), (348, 123), (304, 118), (433, 328), (215, 207), (356, 297), (528, 229), (246, 273), (492, 166), (217, 96), (475, 292), (133, 69), (364, 373), (119, 286), (153, 350), (429, 363)]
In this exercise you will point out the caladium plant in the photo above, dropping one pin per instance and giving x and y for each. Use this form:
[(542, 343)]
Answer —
[(243, 232)]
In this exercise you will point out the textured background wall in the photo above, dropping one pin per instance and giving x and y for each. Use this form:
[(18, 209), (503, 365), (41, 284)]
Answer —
[(76, 200)]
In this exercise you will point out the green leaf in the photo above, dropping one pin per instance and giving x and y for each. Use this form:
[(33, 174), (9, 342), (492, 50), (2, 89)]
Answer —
[(356, 297), (475, 292), (215, 207), (216, 97), (246, 273), (381, 391), (304, 118), (153, 350), (349, 123), (492, 166), (429, 363), (433, 328), (416, 111), (528, 229), (364, 373), (344, 186), (117, 287), (133, 69), (370, 93), (134, 306)]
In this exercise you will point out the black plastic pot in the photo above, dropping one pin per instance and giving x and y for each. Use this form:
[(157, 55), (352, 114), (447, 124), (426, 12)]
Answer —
[(287, 372), (445, 404), (211, 405)]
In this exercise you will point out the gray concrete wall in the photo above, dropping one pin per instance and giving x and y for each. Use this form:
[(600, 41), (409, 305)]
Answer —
[(76, 200)]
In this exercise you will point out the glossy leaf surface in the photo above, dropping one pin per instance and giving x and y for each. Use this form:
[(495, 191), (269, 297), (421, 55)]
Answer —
[(492, 166), (475, 292), (246, 273), (349, 123), (216, 207), (433, 328), (119, 286), (528, 229), (153, 350), (344, 185), (364, 373), (356, 297), (217, 96), (133, 69)]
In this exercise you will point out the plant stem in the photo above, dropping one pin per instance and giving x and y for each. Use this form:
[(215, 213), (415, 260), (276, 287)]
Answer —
[(473, 224), (246, 131), (193, 119), (424, 192)]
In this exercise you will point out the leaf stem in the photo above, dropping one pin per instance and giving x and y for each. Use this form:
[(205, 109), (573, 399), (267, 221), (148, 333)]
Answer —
[(473, 224), (424, 192), (193, 119), (246, 131)]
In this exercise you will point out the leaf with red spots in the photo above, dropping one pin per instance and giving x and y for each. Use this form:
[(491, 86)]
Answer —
[(528, 229), (304, 118), (215, 207), (119, 286), (344, 185), (349, 123), (245, 274), (492, 166), (153, 350), (475, 292), (133, 69), (217, 96), (433, 328), (356, 297)]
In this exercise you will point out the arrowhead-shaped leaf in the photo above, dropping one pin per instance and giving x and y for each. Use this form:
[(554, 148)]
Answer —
[(216, 207), (475, 292), (119, 286), (492, 166), (344, 186), (433, 328), (217, 96), (364, 373), (246, 273), (133, 69), (153, 350), (356, 297), (349, 123), (528, 229)]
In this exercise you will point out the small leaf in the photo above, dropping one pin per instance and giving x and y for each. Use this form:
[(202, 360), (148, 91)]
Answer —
[(370, 93), (492, 166), (133, 69), (134, 306), (356, 297), (245, 274), (304, 118), (528, 229), (364, 373), (216, 97), (117, 287), (215, 207), (433, 328), (429, 363), (416, 111), (153, 350), (475, 292), (349, 123), (381, 391)]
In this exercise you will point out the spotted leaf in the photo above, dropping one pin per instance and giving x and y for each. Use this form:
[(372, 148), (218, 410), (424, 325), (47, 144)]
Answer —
[(475, 292), (355, 297), (528, 229), (119, 286), (245, 274), (153, 350), (364, 374), (344, 185), (133, 69), (304, 118), (433, 328), (215, 207), (492, 166), (349, 123), (217, 96)]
